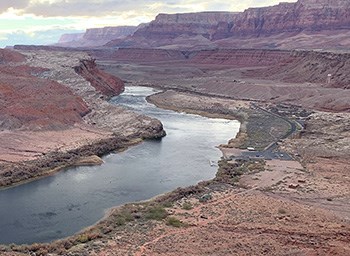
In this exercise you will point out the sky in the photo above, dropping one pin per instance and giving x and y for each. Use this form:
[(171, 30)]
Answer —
[(44, 21)]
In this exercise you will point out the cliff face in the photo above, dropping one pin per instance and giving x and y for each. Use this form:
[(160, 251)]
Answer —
[(108, 33), (314, 17), (309, 15), (105, 83), (170, 26)]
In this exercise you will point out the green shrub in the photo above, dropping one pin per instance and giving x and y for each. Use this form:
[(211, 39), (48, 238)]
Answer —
[(187, 206), (174, 222), (83, 238), (123, 217), (156, 213), (167, 204)]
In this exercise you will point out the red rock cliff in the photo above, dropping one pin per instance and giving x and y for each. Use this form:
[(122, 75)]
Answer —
[(105, 83)]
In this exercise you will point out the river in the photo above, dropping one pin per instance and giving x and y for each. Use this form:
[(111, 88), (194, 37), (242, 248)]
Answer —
[(60, 205)]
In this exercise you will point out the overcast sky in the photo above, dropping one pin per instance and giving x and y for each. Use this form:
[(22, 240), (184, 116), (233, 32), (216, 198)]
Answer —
[(43, 21)]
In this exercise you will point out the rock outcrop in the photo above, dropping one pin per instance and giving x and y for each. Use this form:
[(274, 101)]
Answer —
[(105, 83), (315, 19), (7, 56), (30, 102)]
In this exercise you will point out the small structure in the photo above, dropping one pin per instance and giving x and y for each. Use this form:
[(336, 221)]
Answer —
[(329, 78)]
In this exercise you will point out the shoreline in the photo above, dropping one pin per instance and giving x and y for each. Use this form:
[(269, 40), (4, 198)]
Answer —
[(72, 163)]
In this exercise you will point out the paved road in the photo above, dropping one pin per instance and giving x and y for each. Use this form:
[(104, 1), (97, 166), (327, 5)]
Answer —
[(271, 151)]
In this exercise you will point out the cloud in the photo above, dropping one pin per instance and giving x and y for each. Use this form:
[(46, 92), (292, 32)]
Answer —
[(15, 4), (84, 8), (98, 8)]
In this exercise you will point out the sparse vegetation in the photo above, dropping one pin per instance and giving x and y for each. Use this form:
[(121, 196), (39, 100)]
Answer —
[(187, 206), (229, 172), (122, 218), (83, 238), (156, 213), (174, 222), (168, 204)]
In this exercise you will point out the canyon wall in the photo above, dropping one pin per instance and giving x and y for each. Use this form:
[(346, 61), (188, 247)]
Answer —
[(315, 19)]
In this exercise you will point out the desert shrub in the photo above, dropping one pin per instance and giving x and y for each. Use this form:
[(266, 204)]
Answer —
[(174, 222), (83, 238), (156, 213), (187, 206), (168, 204), (123, 217)]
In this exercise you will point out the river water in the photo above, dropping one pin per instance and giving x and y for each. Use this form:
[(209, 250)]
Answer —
[(60, 205)]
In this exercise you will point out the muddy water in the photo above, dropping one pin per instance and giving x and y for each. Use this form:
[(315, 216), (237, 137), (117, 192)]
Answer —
[(63, 204)]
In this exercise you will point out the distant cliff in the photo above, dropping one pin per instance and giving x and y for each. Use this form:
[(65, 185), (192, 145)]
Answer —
[(67, 38), (322, 22), (95, 36)]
